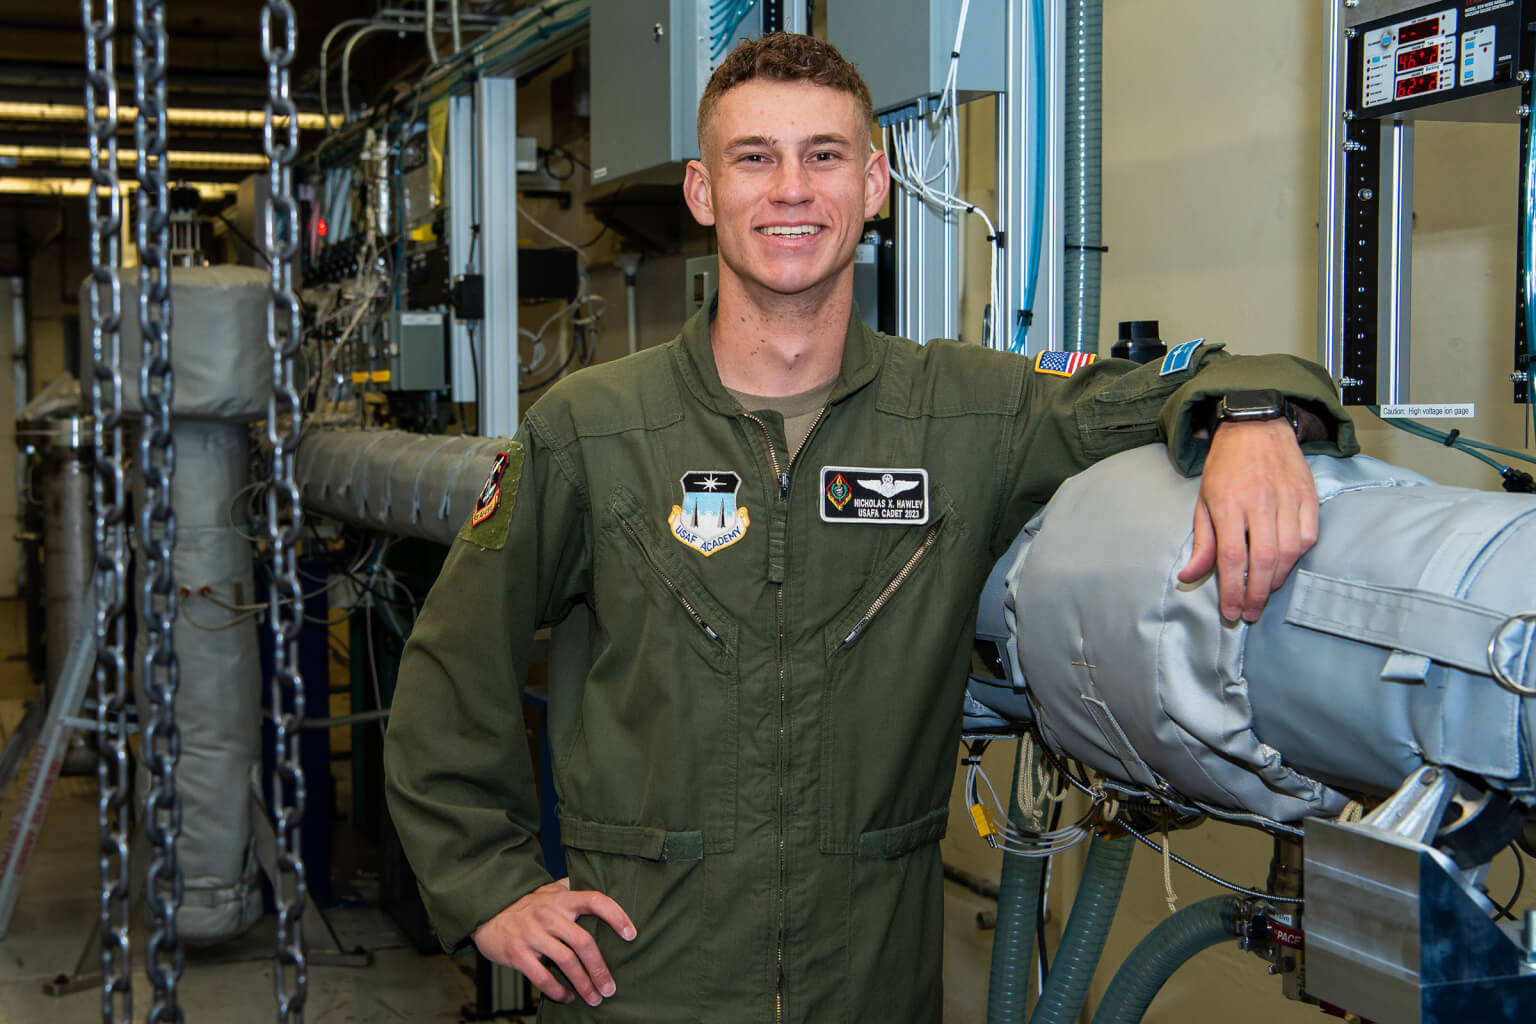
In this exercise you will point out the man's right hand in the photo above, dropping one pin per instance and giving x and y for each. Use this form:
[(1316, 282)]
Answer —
[(543, 925)]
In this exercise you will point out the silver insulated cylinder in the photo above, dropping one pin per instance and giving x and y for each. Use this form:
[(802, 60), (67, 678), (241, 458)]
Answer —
[(67, 535)]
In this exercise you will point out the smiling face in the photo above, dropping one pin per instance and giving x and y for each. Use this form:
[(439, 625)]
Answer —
[(787, 180)]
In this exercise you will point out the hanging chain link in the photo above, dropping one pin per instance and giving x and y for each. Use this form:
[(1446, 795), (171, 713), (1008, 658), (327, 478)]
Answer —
[(161, 746), (105, 205), (285, 516)]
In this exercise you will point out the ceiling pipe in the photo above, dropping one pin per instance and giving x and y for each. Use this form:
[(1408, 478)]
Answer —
[(346, 57)]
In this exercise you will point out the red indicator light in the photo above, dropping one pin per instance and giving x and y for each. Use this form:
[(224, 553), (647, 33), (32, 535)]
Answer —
[(320, 227)]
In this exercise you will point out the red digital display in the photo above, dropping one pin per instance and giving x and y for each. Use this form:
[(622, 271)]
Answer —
[(1426, 29), (1412, 60), (1407, 87)]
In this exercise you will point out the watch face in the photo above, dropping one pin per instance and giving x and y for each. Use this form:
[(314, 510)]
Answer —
[(1264, 404)]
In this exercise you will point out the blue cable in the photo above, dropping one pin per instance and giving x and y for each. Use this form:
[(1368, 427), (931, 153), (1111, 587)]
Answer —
[(725, 17), (1530, 266), (1037, 213)]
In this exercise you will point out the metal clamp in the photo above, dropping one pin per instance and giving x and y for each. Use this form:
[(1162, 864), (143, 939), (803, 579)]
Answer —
[(1499, 675)]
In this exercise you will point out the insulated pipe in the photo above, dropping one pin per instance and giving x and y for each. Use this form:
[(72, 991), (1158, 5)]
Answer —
[(1084, 170), (1018, 911), (67, 539), (222, 369), (1093, 911), (1166, 948), (218, 706)]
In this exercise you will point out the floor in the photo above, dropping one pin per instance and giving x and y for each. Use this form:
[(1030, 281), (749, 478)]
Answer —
[(233, 983)]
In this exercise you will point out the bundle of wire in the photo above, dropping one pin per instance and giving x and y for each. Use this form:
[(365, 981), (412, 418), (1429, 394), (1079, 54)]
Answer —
[(994, 825), (725, 17), (586, 311), (911, 170)]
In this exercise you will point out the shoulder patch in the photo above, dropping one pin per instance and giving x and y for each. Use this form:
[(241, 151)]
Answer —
[(1180, 357), (487, 524), (1062, 364)]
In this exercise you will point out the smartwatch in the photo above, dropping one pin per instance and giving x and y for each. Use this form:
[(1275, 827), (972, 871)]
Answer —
[(1248, 406)]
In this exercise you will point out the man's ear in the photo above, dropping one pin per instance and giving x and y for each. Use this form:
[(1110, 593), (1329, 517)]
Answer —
[(696, 193), (877, 183)]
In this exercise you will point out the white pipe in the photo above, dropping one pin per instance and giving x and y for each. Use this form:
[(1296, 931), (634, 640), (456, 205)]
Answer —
[(430, 31), (325, 48), (453, 25)]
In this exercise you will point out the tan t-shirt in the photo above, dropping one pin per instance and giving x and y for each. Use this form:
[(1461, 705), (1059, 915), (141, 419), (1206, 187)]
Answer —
[(799, 411)]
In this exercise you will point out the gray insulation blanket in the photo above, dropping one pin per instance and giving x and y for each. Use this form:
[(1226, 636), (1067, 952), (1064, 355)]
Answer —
[(1371, 661), (410, 485), (218, 706), (219, 348)]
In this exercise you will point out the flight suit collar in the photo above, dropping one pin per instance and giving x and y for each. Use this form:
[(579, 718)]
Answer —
[(863, 353)]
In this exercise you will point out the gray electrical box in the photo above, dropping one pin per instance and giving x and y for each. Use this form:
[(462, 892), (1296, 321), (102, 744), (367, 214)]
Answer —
[(902, 47), (417, 348), (650, 62)]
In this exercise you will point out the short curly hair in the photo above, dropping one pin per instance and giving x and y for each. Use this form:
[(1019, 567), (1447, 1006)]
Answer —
[(785, 57)]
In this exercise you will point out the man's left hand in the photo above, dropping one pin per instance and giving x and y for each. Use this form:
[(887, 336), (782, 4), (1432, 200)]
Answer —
[(1256, 514)]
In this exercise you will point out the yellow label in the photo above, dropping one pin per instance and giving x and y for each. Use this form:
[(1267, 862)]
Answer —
[(979, 816), (376, 377)]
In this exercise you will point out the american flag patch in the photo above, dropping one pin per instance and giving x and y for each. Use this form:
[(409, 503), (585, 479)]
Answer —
[(1062, 364)]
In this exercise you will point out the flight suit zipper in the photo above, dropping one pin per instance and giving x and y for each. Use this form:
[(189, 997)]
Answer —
[(666, 580), (889, 590), (781, 476)]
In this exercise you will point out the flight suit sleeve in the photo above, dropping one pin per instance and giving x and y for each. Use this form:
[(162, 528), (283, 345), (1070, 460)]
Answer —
[(1067, 423), (458, 775)]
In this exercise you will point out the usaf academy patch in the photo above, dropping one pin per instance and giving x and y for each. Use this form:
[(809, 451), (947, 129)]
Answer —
[(709, 518), (858, 494), (487, 526)]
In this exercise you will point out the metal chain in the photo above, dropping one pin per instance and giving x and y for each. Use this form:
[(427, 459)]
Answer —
[(105, 205), (159, 669), (285, 516)]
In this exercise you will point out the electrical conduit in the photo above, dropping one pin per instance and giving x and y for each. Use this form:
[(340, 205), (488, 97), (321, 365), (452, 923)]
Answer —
[(1166, 948), (1084, 171), (1093, 911)]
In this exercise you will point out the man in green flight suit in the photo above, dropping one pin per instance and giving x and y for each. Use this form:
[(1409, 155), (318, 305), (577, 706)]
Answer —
[(780, 523)]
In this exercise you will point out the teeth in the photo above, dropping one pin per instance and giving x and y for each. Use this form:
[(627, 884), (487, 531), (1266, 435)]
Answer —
[(798, 231)]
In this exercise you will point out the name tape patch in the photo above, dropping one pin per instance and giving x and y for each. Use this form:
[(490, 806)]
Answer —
[(861, 494), (1179, 358)]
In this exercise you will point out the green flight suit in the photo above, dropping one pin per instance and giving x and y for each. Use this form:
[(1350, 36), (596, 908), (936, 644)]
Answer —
[(755, 754)]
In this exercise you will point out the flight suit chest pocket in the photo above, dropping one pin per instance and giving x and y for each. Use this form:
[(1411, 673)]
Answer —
[(657, 738), (645, 566), (892, 685)]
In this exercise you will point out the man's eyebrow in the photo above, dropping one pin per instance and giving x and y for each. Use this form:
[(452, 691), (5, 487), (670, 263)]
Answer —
[(749, 142), (829, 139)]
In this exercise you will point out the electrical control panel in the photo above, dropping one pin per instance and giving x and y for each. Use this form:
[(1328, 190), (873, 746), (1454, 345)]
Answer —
[(656, 57), (902, 47), (1453, 60)]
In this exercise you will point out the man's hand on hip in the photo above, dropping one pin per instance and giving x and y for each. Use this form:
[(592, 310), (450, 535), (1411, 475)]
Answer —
[(542, 925), (1256, 514)]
